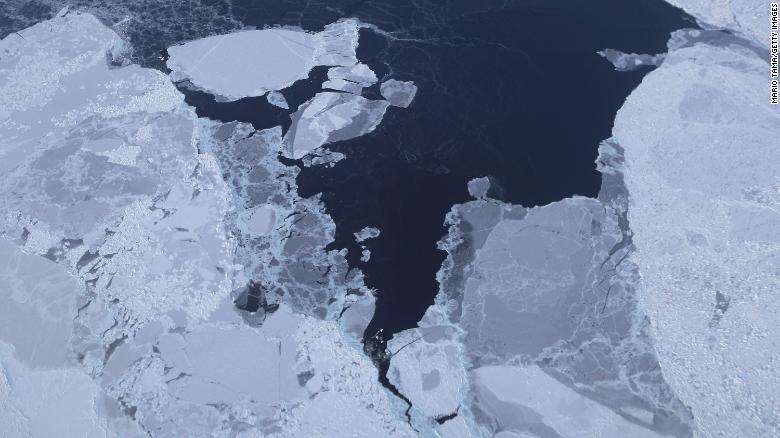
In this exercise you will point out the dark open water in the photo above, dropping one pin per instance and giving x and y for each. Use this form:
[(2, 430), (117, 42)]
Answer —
[(513, 90)]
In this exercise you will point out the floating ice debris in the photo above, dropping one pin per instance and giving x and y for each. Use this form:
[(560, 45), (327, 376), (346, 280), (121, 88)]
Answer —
[(331, 117), (398, 93), (277, 99), (478, 187), (630, 61), (366, 233), (254, 62)]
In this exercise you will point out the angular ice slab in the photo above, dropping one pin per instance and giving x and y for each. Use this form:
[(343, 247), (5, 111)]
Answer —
[(277, 99), (254, 62), (398, 93), (331, 117), (702, 154)]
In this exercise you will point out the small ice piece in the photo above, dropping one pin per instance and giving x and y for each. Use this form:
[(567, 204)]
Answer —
[(630, 61), (350, 79), (366, 255), (478, 187), (276, 98), (398, 93), (366, 233), (331, 117)]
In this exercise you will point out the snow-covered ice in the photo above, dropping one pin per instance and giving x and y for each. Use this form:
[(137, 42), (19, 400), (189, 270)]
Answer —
[(702, 171)]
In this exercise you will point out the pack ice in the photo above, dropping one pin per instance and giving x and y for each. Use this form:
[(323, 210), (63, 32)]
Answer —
[(131, 231)]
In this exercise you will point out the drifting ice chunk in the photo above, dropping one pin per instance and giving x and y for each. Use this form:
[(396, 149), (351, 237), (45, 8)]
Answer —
[(331, 117), (277, 99), (350, 79), (366, 233), (254, 62), (398, 93), (242, 64), (478, 187)]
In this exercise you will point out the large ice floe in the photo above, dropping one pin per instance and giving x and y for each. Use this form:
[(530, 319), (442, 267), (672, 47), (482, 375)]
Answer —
[(702, 170), (160, 275), (645, 312), (254, 62)]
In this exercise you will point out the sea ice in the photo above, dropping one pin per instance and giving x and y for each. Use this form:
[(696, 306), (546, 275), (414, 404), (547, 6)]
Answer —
[(330, 117), (702, 172), (254, 62), (398, 93)]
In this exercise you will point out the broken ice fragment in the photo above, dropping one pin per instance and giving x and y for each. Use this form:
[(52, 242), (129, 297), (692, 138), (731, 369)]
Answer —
[(478, 187), (276, 98), (350, 79), (366, 233), (331, 117), (398, 93)]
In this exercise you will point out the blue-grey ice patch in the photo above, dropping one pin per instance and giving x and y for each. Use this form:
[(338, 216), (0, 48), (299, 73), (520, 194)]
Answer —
[(630, 61), (702, 157), (398, 93), (277, 99), (330, 117), (254, 62)]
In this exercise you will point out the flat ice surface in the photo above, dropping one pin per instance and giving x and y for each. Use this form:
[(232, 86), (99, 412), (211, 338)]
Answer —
[(242, 64), (254, 62), (702, 154), (526, 400)]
